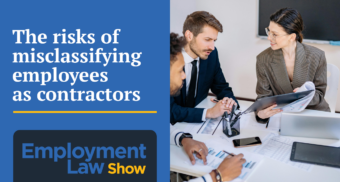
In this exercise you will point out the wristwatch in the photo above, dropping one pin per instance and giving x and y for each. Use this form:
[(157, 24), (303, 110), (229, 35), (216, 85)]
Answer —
[(184, 135), (218, 175)]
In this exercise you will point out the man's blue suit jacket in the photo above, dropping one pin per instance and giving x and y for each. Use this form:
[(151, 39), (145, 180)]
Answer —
[(210, 77)]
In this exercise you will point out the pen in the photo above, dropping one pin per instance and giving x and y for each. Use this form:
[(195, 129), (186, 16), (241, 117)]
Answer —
[(236, 118), (267, 123), (228, 153), (230, 119), (232, 112), (228, 126)]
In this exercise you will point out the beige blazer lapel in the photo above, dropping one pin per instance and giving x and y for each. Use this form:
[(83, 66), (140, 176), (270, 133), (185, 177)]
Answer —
[(279, 69), (301, 66)]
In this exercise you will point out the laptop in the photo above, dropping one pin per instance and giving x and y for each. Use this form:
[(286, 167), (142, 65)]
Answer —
[(312, 126)]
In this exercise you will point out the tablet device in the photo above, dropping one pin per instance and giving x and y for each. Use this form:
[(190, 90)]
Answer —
[(316, 154), (265, 102)]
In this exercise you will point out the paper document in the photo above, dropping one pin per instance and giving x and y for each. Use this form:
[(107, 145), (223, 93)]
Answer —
[(211, 126), (192, 127), (301, 104), (279, 148), (216, 156)]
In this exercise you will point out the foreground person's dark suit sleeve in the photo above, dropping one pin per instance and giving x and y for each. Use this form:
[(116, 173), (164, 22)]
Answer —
[(210, 77)]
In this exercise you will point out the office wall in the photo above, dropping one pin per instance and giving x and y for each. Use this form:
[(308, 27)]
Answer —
[(179, 10), (238, 44)]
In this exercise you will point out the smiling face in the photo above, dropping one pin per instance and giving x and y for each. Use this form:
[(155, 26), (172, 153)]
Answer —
[(278, 37), (204, 43)]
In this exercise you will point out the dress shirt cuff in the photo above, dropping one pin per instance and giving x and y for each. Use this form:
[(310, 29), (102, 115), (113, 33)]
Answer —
[(204, 115), (177, 136), (205, 178)]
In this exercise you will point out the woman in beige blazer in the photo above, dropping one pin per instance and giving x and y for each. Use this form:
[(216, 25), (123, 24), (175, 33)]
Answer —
[(289, 63)]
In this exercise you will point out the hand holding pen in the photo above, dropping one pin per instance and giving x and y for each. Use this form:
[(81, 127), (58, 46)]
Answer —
[(228, 153), (230, 167)]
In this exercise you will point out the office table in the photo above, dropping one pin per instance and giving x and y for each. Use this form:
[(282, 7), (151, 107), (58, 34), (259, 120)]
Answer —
[(269, 170)]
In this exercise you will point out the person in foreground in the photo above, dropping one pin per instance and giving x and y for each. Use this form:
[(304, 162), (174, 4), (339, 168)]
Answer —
[(203, 72), (231, 167), (288, 63)]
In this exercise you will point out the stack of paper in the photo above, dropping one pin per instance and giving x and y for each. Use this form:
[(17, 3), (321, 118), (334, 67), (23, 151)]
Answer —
[(302, 103), (279, 148)]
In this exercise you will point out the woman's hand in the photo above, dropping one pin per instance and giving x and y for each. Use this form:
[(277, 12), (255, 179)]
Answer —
[(268, 112), (296, 89)]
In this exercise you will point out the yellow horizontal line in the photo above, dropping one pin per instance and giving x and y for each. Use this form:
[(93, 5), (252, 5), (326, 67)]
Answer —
[(84, 112)]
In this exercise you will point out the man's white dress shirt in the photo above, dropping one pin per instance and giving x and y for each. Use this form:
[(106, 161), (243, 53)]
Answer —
[(188, 68)]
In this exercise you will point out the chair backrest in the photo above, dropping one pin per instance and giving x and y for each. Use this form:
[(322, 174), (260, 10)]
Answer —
[(332, 85)]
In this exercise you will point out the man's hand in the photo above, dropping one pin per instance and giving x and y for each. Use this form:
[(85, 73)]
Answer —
[(268, 112), (230, 168), (191, 146), (226, 104)]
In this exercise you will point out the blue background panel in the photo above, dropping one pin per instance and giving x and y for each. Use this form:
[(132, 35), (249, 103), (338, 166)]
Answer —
[(144, 28)]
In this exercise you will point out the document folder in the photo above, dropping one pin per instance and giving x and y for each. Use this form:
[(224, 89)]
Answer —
[(265, 102)]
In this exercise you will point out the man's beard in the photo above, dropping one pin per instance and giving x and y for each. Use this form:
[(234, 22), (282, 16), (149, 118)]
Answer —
[(176, 92), (192, 46)]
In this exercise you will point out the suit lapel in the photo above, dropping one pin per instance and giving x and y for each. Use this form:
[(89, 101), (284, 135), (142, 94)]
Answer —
[(301, 66), (279, 69)]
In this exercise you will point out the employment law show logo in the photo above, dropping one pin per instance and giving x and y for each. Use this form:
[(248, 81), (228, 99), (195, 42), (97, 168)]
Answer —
[(89, 155)]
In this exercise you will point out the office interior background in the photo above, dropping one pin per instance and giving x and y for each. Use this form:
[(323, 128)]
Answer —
[(239, 45)]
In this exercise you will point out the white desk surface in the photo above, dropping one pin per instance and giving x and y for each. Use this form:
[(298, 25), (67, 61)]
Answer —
[(270, 170)]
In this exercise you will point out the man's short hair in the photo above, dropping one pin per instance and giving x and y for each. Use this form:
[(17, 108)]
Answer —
[(198, 19), (176, 45)]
